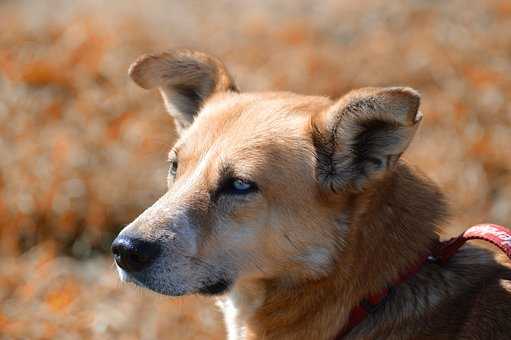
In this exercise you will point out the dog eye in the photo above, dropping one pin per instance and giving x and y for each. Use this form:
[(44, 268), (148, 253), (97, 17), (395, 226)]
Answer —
[(239, 186), (173, 168)]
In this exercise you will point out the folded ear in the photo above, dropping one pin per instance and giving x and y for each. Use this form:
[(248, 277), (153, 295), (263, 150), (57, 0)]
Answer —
[(363, 135), (185, 79)]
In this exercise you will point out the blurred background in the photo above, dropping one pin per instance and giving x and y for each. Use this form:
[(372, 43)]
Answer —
[(83, 150)]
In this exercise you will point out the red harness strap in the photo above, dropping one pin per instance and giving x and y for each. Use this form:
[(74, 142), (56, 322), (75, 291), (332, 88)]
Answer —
[(495, 234)]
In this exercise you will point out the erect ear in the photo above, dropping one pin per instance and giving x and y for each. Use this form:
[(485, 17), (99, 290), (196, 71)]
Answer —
[(363, 135), (185, 79)]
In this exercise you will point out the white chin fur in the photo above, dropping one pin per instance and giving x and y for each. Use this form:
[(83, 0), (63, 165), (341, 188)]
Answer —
[(122, 274)]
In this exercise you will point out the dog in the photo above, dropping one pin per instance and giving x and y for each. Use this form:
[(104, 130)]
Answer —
[(292, 209)]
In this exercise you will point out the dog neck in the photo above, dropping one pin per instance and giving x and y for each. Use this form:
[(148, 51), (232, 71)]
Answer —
[(392, 224)]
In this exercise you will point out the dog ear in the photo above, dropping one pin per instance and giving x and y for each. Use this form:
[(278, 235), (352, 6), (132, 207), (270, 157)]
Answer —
[(363, 135), (185, 79)]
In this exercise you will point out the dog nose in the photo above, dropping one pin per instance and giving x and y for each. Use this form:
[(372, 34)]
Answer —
[(133, 254)]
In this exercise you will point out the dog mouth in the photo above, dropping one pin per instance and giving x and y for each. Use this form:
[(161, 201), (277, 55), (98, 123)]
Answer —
[(219, 287), (211, 289)]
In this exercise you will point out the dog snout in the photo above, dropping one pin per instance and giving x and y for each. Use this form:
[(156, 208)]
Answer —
[(134, 254)]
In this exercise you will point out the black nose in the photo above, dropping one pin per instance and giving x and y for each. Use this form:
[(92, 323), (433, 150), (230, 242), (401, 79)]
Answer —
[(133, 254)]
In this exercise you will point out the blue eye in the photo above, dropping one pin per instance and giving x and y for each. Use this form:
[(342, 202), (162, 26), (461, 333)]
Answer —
[(238, 186), (241, 185), (235, 186)]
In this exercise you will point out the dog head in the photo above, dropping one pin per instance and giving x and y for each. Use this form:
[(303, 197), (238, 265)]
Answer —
[(257, 182)]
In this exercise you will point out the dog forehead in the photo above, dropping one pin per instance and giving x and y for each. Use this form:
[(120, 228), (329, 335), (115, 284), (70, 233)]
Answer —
[(246, 121)]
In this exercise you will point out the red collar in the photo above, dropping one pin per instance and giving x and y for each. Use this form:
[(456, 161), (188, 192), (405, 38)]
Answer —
[(495, 234)]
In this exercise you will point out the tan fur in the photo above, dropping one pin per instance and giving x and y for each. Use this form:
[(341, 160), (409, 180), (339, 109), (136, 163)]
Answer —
[(337, 215)]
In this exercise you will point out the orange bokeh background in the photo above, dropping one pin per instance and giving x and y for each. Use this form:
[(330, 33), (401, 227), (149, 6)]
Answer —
[(83, 150)]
